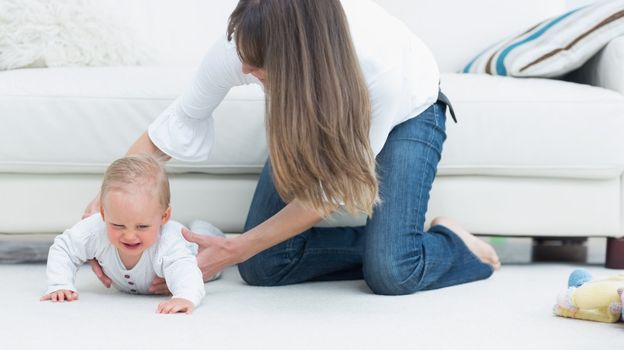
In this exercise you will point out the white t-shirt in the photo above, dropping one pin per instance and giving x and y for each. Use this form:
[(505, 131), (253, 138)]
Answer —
[(400, 71), (171, 258)]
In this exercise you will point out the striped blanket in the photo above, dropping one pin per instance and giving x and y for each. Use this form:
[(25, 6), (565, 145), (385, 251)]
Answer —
[(555, 46)]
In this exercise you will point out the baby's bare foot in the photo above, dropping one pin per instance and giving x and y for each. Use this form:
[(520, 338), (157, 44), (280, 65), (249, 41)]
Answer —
[(479, 247)]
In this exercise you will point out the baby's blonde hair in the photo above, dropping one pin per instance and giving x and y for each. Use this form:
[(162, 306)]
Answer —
[(143, 170)]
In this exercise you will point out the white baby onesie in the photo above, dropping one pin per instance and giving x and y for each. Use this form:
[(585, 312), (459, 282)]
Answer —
[(171, 258)]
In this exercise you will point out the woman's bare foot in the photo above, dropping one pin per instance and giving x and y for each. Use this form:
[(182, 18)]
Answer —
[(480, 248)]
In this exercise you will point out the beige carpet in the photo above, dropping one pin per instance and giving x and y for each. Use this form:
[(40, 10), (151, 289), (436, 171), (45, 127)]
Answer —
[(512, 310)]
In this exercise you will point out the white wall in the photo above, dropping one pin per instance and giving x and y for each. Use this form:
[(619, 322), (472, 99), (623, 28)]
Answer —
[(456, 30)]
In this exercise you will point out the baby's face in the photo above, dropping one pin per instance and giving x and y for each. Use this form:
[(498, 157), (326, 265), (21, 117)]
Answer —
[(133, 220)]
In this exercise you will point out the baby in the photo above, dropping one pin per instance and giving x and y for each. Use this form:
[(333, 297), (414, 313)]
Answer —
[(132, 239)]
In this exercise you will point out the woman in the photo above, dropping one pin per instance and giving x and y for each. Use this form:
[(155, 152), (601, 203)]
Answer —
[(353, 120)]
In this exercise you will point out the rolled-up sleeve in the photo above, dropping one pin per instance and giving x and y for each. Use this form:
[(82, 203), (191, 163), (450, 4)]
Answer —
[(182, 137), (185, 130)]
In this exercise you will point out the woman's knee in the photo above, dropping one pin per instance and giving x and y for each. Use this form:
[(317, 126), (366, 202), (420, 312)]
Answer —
[(269, 267), (255, 272), (390, 276), (249, 274)]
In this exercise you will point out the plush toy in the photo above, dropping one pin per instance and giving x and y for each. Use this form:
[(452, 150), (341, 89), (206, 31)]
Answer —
[(594, 300)]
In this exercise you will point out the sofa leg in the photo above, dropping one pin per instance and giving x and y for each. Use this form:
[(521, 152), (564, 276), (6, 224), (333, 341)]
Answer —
[(615, 253)]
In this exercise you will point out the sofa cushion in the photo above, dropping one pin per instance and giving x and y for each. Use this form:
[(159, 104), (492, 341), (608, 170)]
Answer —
[(532, 127), (77, 120)]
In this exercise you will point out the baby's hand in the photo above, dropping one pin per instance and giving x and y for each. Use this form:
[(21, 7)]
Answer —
[(61, 295), (175, 305)]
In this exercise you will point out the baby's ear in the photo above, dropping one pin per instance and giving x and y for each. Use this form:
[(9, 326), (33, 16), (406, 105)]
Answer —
[(166, 216)]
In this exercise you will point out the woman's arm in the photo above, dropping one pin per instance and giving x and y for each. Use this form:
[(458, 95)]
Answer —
[(293, 219), (217, 253), (190, 114)]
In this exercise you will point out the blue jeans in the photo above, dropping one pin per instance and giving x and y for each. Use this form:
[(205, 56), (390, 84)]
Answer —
[(392, 252)]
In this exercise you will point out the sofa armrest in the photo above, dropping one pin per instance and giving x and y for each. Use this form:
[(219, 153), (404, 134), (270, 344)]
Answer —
[(605, 69)]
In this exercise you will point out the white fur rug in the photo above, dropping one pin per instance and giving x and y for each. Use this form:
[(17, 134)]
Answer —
[(512, 310), (52, 33)]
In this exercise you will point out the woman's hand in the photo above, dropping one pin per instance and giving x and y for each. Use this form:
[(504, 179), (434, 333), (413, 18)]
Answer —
[(214, 255), (60, 295), (93, 207), (175, 305)]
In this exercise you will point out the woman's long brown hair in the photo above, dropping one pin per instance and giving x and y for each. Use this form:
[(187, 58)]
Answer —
[(318, 109)]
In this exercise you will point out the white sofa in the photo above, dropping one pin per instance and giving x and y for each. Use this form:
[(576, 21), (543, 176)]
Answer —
[(529, 157)]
